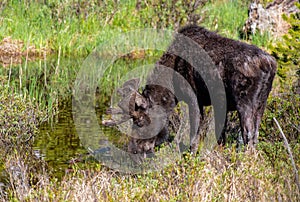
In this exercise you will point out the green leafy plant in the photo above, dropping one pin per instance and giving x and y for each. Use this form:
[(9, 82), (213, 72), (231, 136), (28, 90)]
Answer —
[(287, 51), (227, 17)]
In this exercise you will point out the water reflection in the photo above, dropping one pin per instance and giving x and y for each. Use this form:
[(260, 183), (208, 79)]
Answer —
[(58, 142)]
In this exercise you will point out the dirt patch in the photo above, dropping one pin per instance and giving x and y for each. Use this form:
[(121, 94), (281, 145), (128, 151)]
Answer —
[(14, 51)]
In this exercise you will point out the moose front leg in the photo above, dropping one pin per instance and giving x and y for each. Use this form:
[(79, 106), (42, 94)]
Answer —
[(195, 126)]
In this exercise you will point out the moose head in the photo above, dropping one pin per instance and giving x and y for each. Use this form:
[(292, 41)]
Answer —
[(149, 113)]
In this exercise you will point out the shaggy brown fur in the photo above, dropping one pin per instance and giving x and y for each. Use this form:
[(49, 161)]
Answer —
[(247, 73)]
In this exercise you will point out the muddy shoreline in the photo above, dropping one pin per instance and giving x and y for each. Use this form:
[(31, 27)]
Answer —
[(14, 51)]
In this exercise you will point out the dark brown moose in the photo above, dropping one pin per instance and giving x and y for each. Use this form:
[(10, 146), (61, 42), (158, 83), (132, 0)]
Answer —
[(247, 73)]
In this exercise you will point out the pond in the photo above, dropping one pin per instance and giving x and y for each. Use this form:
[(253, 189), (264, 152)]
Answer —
[(58, 142)]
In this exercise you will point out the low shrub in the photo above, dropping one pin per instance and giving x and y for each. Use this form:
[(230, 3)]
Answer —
[(19, 120)]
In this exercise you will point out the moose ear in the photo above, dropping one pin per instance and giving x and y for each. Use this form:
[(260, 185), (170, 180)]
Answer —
[(132, 84), (129, 87)]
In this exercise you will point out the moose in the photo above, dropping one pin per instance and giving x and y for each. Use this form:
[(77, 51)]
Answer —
[(246, 72)]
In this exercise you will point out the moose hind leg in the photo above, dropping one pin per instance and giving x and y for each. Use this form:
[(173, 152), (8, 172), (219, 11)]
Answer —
[(195, 129), (221, 137)]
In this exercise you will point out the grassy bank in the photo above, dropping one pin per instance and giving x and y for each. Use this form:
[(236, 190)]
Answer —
[(219, 176), (74, 28)]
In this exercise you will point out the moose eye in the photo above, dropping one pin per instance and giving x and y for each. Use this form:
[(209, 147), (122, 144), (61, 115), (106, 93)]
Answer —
[(135, 152)]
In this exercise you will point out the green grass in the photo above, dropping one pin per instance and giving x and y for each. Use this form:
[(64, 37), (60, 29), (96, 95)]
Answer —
[(262, 40), (76, 27), (58, 25), (227, 17), (72, 29), (43, 81)]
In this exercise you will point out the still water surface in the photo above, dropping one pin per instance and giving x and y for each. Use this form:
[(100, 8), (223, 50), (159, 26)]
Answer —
[(58, 142)]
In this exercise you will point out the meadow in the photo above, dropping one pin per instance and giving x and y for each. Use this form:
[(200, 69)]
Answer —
[(42, 47)]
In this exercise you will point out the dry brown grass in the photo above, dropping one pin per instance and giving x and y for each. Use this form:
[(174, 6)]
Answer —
[(217, 176)]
